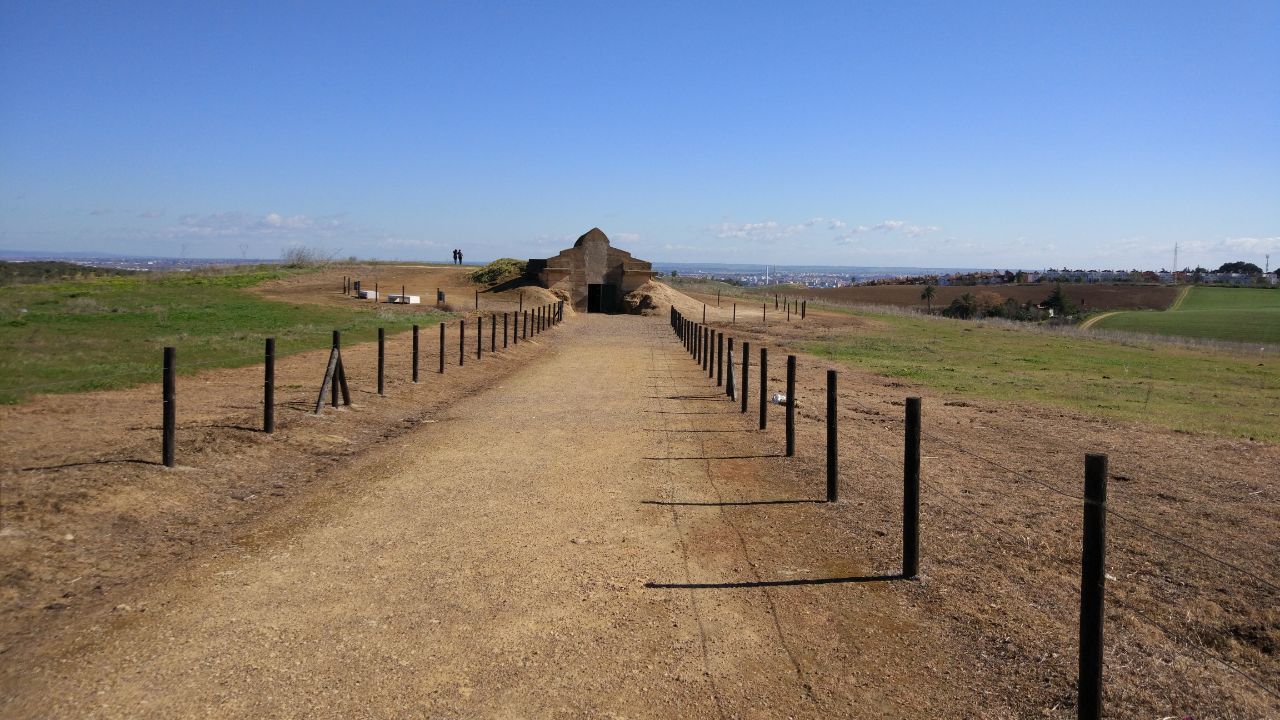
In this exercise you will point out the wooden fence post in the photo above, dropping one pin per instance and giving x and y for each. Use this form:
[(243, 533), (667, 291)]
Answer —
[(415, 353), (382, 356), (710, 364), (833, 474), (269, 387), (746, 365), (728, 380), (911, 491), (791, 405), (764, 387), (170, 399), (1093, 580), (719, 358), (333, 388)]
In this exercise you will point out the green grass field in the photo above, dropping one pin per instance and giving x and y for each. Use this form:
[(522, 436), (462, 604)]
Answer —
[(108, 333), (1247, 315), (1231, 392), (1180, 388)]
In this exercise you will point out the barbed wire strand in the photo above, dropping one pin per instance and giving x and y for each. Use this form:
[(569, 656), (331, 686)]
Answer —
[(1186, 546), (1120, 601), (1063, 493), (1005, 468), (1117, 514), (1111, 511)]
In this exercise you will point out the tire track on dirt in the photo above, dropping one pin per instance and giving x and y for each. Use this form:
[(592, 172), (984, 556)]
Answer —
[(684, 547), (706, 474)]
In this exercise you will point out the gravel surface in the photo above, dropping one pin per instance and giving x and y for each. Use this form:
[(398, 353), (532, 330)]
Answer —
[(595, 530)]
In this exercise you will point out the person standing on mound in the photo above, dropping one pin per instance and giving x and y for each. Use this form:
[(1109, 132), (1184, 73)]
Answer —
[(459, 257)]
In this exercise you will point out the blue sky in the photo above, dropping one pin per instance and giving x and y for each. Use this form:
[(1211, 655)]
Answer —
[(929, 134)]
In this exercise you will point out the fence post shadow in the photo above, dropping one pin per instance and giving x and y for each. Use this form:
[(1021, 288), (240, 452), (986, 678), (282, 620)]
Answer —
[(733, 585)]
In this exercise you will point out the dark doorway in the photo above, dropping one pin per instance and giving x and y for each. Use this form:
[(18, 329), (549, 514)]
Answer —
[(601, 298)]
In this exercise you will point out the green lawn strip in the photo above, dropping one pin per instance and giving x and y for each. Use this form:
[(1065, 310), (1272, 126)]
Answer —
[(1184, 389), (108, 333), (1222, 298), (1245, 315), (1245, 325)]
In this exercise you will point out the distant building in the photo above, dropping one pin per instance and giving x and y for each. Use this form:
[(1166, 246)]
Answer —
[(593, 275)]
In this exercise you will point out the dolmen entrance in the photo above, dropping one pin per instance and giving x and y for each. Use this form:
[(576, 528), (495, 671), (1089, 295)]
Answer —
[(595, 275)]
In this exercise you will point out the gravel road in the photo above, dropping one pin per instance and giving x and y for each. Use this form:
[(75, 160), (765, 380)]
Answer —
[(516, 559)]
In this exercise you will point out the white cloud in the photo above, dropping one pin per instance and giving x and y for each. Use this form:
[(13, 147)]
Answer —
[(767, 229), (908, 229), (295, 222), (249, 227), (772, 230), (1252, 245), (407, 242), (918, 230), (555, 241), (1143, 251)]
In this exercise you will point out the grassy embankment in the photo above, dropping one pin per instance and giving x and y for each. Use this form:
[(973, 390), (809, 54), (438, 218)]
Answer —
[(1188, 389), (1184, 389), (108, 333), (1249, 315)]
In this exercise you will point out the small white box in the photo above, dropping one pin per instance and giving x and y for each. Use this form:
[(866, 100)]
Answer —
[(368, 295), (405, 299)]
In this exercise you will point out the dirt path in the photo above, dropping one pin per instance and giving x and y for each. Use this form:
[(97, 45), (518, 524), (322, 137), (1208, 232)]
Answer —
[(500, 563), (1177, 303), (1096, 319), (586, 527)]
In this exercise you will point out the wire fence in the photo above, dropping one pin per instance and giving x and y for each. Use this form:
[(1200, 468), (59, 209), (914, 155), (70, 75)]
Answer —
[(1052, 536)]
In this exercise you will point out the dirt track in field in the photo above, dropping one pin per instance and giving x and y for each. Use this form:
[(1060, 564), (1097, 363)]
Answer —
[(486, 544)]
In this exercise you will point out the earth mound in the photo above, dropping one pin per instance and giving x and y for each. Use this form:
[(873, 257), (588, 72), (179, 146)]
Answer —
[(648, 299)]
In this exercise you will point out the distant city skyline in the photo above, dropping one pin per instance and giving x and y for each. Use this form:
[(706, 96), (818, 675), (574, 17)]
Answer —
[(1007, 135)]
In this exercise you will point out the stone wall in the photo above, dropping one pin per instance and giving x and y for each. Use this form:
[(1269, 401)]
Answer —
[(592, 260)]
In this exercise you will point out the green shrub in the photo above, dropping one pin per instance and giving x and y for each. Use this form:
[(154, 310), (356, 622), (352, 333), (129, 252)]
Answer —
[(500, 270)]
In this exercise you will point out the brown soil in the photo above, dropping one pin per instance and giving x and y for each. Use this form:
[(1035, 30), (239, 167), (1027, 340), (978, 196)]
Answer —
[(1091, 297), (423, 280), (486, 543)]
